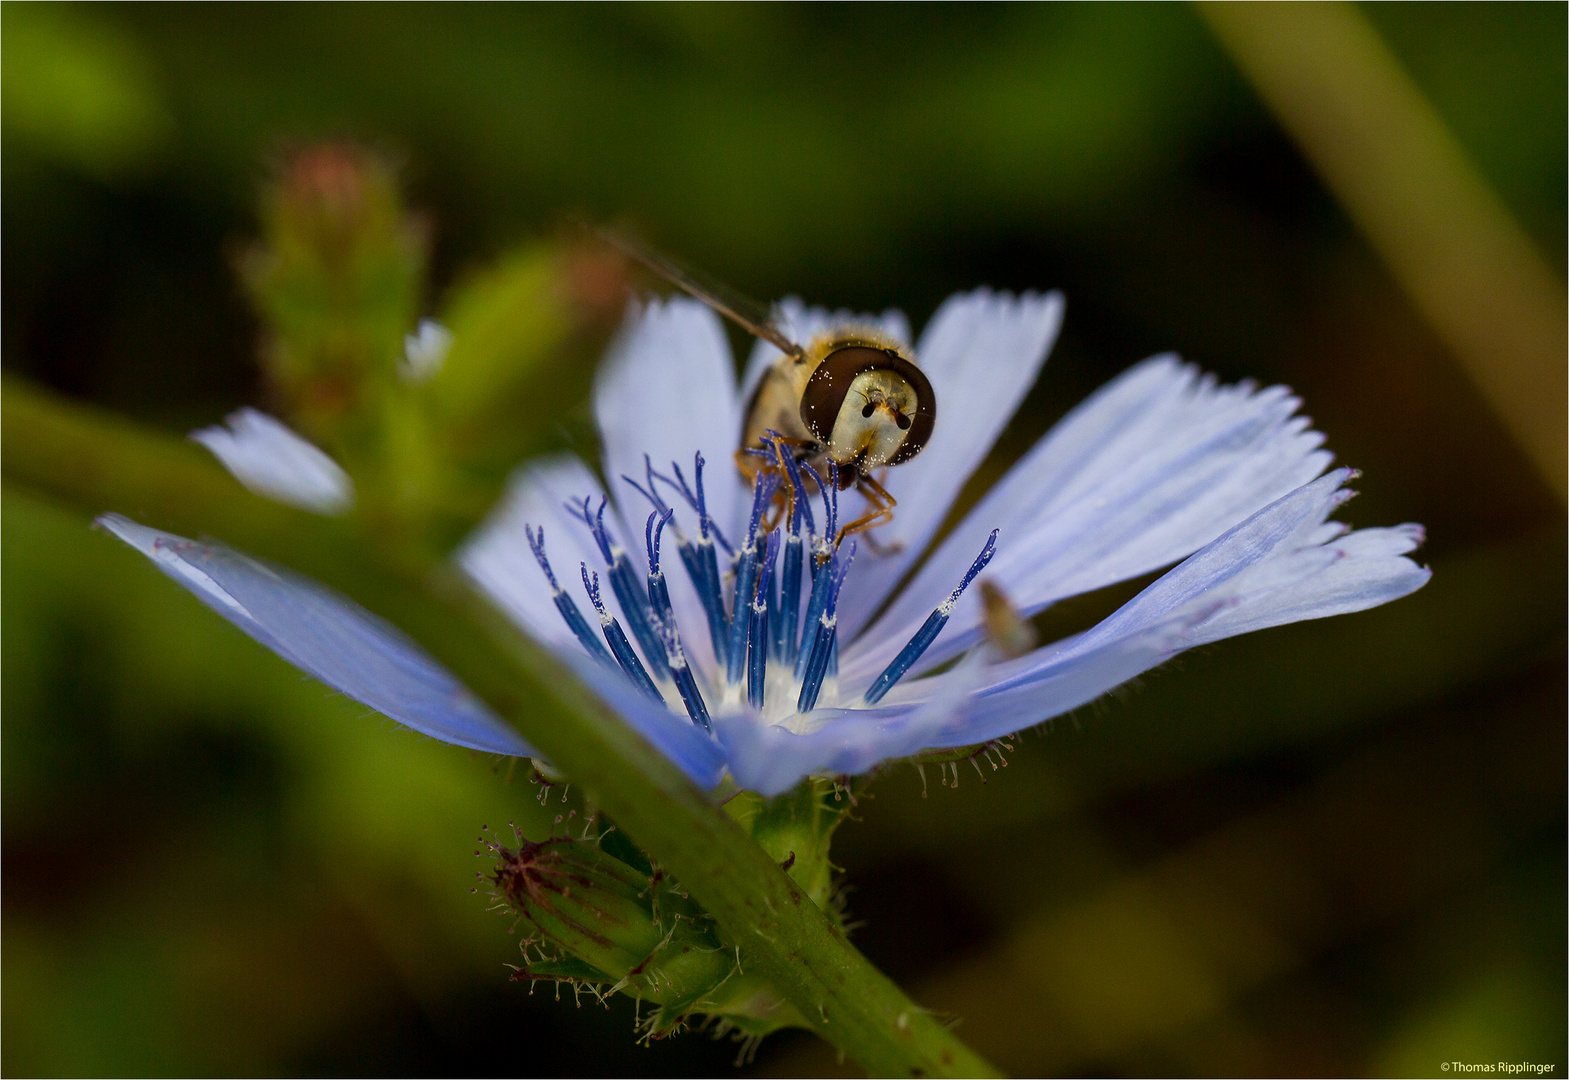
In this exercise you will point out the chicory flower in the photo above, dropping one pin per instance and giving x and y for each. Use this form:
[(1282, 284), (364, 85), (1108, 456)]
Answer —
[(768, 650)]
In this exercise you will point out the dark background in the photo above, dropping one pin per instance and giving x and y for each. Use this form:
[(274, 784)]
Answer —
[(1334, 848)]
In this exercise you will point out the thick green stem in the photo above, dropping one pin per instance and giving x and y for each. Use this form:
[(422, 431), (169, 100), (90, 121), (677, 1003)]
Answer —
[(100, 463)]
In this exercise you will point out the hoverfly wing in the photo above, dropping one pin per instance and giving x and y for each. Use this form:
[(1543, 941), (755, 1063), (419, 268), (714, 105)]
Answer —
[(753, 317)]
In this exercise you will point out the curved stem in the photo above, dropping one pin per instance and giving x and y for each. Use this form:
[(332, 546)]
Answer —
[(98, 462)]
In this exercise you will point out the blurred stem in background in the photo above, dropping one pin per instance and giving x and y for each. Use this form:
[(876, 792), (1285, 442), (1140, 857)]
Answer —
[(1404, 179)]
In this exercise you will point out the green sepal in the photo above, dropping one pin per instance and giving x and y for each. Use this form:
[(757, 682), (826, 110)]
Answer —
[(611, 919), (600, 912), (796, 829)]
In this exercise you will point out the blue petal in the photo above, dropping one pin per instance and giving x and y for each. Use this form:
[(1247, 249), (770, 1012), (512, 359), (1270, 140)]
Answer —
[(328, 636), (769, 759), (667, 389), (1150, 468), (497, 556), (674, 736), (1284, 564)]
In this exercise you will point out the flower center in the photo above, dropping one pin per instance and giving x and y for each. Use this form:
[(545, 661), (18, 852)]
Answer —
[(776, 641)]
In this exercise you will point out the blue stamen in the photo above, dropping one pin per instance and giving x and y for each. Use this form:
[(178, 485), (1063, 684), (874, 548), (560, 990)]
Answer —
[(620, 647), (816, 604), (822, 547), (634, 605), (740, 624), (757, 665), (788, 619), (701, 567), (746, 580), (712, 587), (831, 501), (658, 590), (929, 629), (801, 502), (564, 603), (696, 499), (703, 562), (651, 541), (664, 622), (826, 635), (785, 620), (623, 582), (823, 553), (596, 525), (768, 584), (686, 685), (776, 630)]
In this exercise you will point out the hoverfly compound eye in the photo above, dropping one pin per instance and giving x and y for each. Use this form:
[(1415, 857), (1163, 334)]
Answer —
[(868, 407)]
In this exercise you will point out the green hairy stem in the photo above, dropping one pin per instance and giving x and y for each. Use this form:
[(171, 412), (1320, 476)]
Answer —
[(101, 463)]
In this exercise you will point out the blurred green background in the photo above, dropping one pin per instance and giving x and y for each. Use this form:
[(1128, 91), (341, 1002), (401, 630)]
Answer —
[(1335, 848)]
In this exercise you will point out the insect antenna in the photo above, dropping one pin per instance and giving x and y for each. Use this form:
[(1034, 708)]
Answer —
[(746, 313)]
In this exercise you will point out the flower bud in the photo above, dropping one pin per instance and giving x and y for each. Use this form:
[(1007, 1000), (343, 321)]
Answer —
[(594, 919), (337, 279)]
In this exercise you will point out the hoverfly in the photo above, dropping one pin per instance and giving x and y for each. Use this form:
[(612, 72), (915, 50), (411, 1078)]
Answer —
[(852, 396)]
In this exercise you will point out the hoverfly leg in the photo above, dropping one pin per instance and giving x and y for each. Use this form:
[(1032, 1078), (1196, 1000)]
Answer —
[(750, 465), (880, 549), (881, 513), (808, 447), (801, 449)]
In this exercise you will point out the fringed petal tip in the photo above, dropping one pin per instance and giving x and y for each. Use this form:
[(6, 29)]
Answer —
[(1286, 563), (1151, 467)]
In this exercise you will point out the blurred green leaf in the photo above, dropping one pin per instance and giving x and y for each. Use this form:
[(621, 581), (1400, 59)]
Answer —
[(506, 321), (78, 91)]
